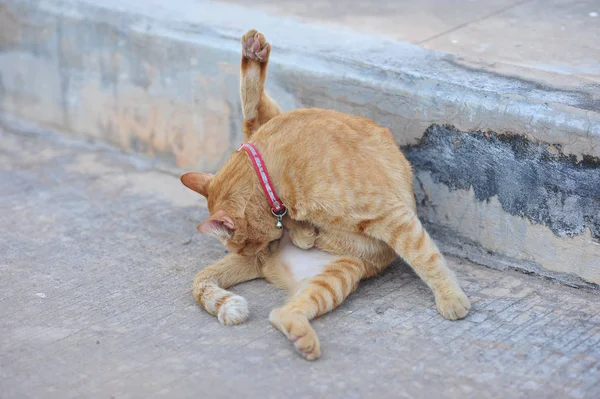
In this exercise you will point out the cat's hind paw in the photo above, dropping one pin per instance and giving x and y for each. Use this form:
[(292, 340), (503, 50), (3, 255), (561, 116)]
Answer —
[(297, 329), (233, 310), (453, 306), (255, 46)]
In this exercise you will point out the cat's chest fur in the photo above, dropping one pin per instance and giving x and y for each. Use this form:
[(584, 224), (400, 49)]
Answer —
[(291, 267), (302, 263)]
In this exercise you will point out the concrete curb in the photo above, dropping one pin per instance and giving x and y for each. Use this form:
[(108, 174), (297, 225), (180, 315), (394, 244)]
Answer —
[(162, 79)]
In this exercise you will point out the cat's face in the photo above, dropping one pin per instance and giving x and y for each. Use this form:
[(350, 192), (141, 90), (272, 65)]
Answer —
[(244, 227)]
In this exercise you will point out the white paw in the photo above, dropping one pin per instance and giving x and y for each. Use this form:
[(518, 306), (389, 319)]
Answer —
[(233, 311), (453, 306)]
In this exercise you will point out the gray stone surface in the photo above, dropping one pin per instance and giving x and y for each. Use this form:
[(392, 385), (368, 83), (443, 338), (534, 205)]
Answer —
[(553, 42), (98, 252)]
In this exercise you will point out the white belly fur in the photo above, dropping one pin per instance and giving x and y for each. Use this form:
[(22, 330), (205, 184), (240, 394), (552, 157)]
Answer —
[(303, 263)]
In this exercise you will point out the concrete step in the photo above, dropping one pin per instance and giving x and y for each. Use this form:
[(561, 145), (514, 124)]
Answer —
[(507, 169)]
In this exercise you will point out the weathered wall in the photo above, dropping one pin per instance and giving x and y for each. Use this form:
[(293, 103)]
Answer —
[(511, 181), (141, 92), (530, 180), (510, 196)]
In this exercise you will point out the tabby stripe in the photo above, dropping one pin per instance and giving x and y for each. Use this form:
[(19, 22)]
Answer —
[(200, 293), (343, 277), (392, 216), (351, 270), (404, 229), (323, 303), (375, 221), (340, 275), (327, 288), (221, 301), (348, 262), (395, 236), (434, 258), (318, 299), (402, 216), (250, 125), (421, 241), (336, 220)]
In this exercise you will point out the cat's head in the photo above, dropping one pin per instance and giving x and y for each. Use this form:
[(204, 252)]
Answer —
[(239, 218)]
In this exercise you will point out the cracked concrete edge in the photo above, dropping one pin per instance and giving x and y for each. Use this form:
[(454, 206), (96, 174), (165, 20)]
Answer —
[(399, 85), (483, 232), (13, 124), (443, 89), (451, 243), (516, 199)]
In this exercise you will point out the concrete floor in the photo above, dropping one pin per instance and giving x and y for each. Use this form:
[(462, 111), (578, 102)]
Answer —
[(99, 250), (558, 39)]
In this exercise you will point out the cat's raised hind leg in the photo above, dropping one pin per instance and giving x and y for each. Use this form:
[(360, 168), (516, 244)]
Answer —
[(257, 106), (318, 295), (210, 285)]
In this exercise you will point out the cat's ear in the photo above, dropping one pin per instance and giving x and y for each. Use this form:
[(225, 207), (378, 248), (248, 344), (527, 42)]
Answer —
[(218, 225), (197, 182)]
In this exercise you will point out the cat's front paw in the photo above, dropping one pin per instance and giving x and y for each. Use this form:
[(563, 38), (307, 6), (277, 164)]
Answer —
[(304, 237), (234, 310), (453, 306), (255, 46), (297, 329)]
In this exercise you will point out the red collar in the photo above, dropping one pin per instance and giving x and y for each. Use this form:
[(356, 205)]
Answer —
[(277, 208)]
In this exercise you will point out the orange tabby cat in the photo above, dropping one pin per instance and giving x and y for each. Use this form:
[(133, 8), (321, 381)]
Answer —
[(339, 175)]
